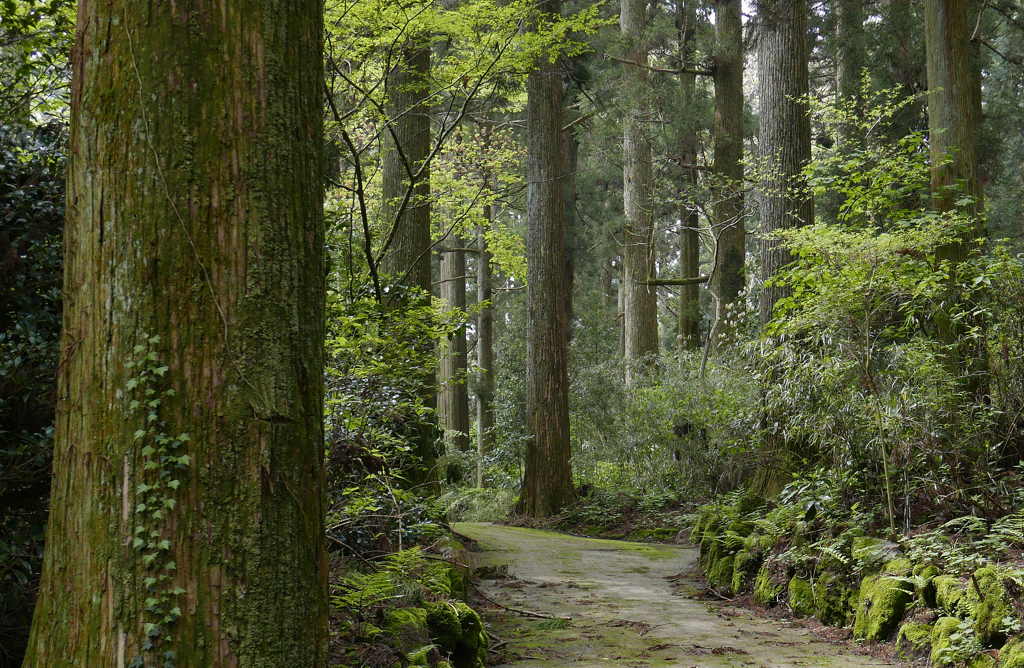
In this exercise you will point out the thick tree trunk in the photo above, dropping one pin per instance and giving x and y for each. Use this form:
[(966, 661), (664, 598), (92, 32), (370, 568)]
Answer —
[(406, 178), (785, 133), (727, 224), (405, 208), (194, 213), (453, 395), (547, 475), (951, 117), (689, 231), (640, 301), (484, 353), (570, 155)]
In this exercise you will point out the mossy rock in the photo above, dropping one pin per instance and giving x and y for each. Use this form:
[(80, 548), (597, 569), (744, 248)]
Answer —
[(740, 527), (424, 656), (471, 650), (1012, 653), (949, 595), (640, 534), (914, 640), (408, 628), (664, 534), (708, 543), (831, 599), (989, 609), (767, 542), (732, 541), (444, 625), (924, 583), (883, 599), (744, 566), (981, 661), (367, 632), (943, 629), (766, 588), (801, 597), (720, 571)]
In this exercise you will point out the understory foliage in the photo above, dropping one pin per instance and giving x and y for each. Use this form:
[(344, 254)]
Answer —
[(31, 261)]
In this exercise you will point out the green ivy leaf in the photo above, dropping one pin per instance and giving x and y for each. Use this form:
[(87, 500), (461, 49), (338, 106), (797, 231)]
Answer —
[(174, 484)]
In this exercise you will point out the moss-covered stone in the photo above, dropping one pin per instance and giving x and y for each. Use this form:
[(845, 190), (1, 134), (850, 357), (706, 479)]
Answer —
[(874, 552), (744, 566), (943, 629), (1012, 653), (664, 534), (801, 597), (990, 608), (914, 640), (407, 627), (949, 595), (767, 542), (444, 626), (766, 588), (831, 599), (883, 599), (367, 632), (924, 583), (741, 528), (720, 572), (732, 541), (981, 661), (471, 650)]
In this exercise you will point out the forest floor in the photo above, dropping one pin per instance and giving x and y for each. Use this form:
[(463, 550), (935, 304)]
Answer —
[(629, 604)]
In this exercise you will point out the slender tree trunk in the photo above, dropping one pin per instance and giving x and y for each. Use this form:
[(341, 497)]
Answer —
[(640, 301), (689, 231), (785, 133), (850, 60), (620, 306), (453, 395), (727, 225), (194, 214), (484, 352), (405, 206), (547, 475), (570, 155), (951, 117)]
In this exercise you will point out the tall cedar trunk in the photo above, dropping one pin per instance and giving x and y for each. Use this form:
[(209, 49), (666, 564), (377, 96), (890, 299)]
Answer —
[(785, 133), (850, 61), (194, 213), (484, 352), (728, 226), (570, 155), (951, 109), (620, 306), (453, 395), (689, 232), (406, 194), (640, 301), (785, 147), (547, 475)]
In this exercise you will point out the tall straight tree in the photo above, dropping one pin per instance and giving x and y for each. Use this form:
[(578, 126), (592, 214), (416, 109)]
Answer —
[(951, 112), (640, 300), (452, 393), (689, 232), (195, 214), (727, 209), (484, 350), (785, 133), (547, 473)]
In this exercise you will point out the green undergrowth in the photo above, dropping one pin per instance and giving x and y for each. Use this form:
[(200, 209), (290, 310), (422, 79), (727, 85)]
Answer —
[(406, 609), (950, 594)]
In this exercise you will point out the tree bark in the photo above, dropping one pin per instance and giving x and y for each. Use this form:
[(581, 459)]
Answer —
[(453, 395), (570, 156), (484, 352), (727, 224), (547, 475), (689, 231), (195, 197), (640, 301), (850, 60), (785, 134), (405, 174)]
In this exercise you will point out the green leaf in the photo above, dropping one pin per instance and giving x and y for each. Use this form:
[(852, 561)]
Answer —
[(139, 433), (171, 566), (138, 543), (174, 484), (170, 503), (147, 559), (164, 545)]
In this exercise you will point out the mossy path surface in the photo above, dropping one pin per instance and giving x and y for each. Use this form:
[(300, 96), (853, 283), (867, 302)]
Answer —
[(624, 609)]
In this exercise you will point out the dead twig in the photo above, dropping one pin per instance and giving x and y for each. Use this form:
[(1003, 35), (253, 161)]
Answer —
[(528, 613)]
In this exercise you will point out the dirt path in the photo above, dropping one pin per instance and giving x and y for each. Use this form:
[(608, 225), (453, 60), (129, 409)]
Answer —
[(624, 610)]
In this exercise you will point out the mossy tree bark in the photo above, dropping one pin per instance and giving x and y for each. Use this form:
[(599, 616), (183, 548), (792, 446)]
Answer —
[(640, 301), (547, 474), (195, 203), (453, 395), (727, 225)]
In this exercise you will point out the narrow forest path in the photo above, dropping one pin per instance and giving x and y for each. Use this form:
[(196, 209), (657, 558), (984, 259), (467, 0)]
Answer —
[(625, 610)]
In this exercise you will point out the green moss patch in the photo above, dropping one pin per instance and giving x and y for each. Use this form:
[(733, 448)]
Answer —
[(883, 599), (801, 597), (914, 640)]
